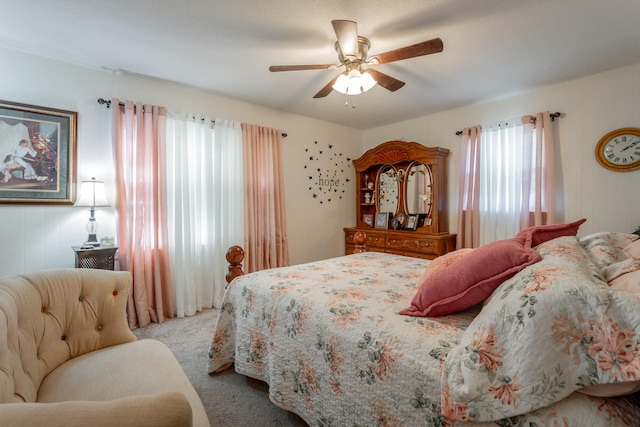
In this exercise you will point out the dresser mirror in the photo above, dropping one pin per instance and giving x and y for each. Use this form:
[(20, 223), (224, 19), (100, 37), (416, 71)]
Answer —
[(418, 196), (387, 189)]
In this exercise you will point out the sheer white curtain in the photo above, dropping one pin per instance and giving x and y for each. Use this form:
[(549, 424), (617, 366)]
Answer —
[(204, 206), (517, 179), (501, 157)]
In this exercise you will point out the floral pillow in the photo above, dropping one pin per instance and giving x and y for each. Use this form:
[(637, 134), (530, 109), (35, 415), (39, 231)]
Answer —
[(628, 282), (550, 330), (611, 252)]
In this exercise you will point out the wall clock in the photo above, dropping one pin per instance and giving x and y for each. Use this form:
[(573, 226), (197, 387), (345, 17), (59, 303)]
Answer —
[(619, 150)]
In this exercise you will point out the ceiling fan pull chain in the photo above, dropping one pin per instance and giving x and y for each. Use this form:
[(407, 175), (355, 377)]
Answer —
[(346, 102)]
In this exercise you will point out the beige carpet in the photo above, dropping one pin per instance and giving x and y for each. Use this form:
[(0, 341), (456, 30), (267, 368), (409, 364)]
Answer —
[(229, 399)]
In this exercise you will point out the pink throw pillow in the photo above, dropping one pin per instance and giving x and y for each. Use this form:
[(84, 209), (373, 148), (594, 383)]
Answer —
[(543, 233), (472, 278), (443, 261)]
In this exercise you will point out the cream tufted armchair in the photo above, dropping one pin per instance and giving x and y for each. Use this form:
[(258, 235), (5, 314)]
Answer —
[(67, 356)]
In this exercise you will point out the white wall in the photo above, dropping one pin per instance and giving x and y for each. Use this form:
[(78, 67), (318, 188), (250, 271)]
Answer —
[(592, 107), (40, 237)]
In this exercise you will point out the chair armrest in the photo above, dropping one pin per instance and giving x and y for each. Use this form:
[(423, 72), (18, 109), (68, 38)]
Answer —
[(170, 409)]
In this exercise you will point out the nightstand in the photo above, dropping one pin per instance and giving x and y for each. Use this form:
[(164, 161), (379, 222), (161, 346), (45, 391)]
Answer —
[(102, 258)]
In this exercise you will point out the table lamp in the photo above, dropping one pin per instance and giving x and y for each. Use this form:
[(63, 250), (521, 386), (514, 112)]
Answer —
[(92, 195)]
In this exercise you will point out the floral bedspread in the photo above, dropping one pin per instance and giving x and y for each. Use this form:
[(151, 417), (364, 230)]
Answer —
[(327, 338), (554, 328)]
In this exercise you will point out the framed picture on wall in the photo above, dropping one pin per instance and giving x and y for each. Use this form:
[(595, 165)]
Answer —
[(38, 154), (382, 219)]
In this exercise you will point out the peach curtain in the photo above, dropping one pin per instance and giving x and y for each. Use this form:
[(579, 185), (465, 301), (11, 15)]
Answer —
[(468, 235), (539, 184), (139, 134), (265, 239)]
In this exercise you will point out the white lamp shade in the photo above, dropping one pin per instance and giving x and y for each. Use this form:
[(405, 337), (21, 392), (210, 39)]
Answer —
[(368, 81), (354, 82), (341, 84), (92, 194)]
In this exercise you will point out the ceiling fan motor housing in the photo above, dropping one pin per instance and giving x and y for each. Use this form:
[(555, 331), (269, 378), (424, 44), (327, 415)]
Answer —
[(363, 50)]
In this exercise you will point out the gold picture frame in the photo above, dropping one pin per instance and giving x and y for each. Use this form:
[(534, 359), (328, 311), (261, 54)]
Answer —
[(38, 149)]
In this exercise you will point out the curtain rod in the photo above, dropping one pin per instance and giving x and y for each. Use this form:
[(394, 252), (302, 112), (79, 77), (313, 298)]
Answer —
[(107, 102), (553, 117)]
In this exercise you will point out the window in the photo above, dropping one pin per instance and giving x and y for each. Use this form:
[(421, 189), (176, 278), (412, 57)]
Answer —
[(513, 162)]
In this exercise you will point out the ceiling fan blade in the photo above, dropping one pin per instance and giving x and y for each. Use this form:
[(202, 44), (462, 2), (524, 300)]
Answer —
[(275, 68), (419, 49), (347, 33), (384, 80), (327, 89)]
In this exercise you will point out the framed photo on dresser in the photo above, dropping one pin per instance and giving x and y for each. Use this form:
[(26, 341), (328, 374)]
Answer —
[(412, 222), (382, 219), (368, 219)]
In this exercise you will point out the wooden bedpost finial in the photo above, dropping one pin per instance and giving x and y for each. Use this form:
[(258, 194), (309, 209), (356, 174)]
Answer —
[(360, 239), (235, 256)]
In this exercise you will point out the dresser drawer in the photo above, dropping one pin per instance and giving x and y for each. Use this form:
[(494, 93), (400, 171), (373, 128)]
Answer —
[(423, 245), (373, 239)]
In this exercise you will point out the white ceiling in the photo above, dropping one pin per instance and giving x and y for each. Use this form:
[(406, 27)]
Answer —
[(492, 48)]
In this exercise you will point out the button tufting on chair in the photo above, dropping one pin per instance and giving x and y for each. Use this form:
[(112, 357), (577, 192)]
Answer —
[(80, 298)]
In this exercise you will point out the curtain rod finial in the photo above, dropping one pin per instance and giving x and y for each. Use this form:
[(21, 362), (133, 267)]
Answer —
[(103, 101)]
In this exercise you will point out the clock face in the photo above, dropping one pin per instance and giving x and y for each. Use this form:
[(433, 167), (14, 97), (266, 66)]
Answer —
[(619, 150)]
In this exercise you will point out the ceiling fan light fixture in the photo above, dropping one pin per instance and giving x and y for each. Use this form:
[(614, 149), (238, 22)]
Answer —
[(353, 53), (368, 81), (341, 83), (354, 82), (354, 86)]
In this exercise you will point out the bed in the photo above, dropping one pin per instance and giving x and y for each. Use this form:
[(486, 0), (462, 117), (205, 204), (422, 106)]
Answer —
[(555, 343)]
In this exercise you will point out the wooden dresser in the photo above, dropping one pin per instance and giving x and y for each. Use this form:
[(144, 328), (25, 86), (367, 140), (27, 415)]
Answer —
[(403, 242), (401, 200)]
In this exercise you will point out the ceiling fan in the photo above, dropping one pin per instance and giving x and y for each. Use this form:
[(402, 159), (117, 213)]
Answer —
[(353, 53)]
